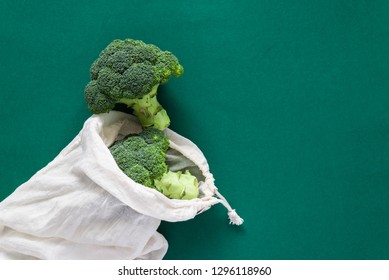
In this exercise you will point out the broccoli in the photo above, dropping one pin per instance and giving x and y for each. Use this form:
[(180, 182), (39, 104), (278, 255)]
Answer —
[(178, 185), (129, 72), (142, 157)]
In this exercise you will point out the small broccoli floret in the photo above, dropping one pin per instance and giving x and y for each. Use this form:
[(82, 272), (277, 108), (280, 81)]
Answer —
[(142, 157), (96, 99), (130, 72)]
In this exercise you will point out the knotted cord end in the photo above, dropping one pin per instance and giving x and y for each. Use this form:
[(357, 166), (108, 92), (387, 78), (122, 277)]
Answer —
[(234, 218)]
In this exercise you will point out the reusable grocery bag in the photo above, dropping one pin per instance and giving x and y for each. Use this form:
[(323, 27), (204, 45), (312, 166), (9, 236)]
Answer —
[(82, 206)]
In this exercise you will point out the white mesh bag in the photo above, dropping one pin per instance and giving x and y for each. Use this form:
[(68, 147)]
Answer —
[(82, 206)]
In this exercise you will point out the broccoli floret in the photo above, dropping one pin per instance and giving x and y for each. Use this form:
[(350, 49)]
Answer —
[(142, 157), (129, 72)]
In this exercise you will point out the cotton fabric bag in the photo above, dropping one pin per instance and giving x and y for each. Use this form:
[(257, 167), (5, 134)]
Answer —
[(82, 206)]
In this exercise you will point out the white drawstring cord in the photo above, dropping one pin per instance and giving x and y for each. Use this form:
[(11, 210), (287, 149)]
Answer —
[(234, 218), (232, 215)]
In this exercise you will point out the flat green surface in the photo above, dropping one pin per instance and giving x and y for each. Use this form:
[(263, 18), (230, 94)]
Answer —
[(288, 100)]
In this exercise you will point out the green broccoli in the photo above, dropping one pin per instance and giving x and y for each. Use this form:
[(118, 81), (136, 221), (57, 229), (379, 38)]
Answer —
[(129, 72), (142, 157), (178, 185)]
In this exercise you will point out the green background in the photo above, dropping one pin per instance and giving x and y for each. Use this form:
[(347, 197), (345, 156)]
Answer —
[(287, 99)]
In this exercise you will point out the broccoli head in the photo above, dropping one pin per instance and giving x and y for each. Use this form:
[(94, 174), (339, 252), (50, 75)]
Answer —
[(129, 72), (142, 157)]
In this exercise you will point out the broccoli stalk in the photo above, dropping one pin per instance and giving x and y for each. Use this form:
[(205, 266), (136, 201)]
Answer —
[(142, 157), (178, 185), (148, 110), (130, 72)]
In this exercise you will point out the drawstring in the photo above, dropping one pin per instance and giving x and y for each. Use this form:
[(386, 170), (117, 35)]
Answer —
[(232, 215)]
